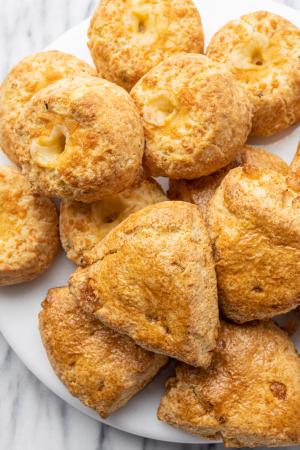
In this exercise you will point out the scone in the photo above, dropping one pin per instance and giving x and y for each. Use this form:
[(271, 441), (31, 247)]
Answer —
[(100, 367), (28, 229), (201, 190), (82, 225), (127, 38), (254, 225), (294, 171), (250, 394), (196, 116), (28, 77), (262, 50), (80, 138), (155, 281)]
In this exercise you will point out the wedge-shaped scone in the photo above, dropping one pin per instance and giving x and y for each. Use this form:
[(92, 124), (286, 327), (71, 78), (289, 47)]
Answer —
[(155, 281), (201, 190), (254, 224), (28, 229), (100, 367), (82, 226), (250, 394)]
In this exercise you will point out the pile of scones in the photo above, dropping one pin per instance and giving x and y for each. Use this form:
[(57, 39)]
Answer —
[(195, 275)]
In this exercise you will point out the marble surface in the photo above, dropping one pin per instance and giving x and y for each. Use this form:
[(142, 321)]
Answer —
[(32, 417)]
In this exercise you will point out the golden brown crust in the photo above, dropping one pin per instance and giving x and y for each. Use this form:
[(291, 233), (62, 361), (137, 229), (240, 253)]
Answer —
[(73, 135), (100, 367), (127, 38), (28, 229), (155, 281), (201, 190), (27, 78), (262, 50), (82, 226), (250, 394), (196, 116), (294, 171), (254, 224)]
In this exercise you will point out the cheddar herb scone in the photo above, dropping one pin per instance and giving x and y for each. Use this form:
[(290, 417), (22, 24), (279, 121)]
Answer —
[(262, 50), (250, 394), (201, 190), (28, 229), (27, 78), (196, 116), (82, 226), (254, 224), (127, 38), (100, 367), (155, 281), (81, 138)]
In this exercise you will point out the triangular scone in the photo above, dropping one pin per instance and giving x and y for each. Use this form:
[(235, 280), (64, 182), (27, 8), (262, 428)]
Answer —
[(249, 396), (100, 367), (155, 281)]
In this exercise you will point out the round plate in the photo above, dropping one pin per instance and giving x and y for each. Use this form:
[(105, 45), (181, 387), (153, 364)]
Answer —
[(19, 305)]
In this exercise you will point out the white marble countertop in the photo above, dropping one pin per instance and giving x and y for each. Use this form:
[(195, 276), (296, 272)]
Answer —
[(32, 417)]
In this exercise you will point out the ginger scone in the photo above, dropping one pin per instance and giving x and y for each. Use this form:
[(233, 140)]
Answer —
[(254, 224), (127, 38), (155, 281), (100, 367), (250, 394), (262, 50), (28, 229), (81, 138), (196, 116), (28, 77), (201, 190), (82, 226)]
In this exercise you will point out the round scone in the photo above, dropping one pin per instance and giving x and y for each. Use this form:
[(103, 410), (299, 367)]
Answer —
[(100, 367), (196, 116), (250, 394), (28, 229), (201, 190), (28, 77), (82, 225), (80, 138), (127, 38), (155, 281), (254, 224), (262, 50)]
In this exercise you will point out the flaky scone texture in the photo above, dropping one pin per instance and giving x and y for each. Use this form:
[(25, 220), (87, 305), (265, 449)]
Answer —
[(201, 190), (196, 116), (262, 50), (28, 229), (254, 224), (28, 77), (100, 367), (81, 138), (250, 394), (155, 281), (82, 226), (127, 38)]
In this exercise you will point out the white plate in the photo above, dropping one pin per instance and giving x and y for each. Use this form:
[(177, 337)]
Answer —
[(19, 305)]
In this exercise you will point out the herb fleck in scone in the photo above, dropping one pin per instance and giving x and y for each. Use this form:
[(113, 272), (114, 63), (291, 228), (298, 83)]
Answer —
[(29, 76), (250, 394), (28, 229), (127, 38), (81, 138), (100, 367), (155, 281), (196, 116), (83, 226), (262, 50)]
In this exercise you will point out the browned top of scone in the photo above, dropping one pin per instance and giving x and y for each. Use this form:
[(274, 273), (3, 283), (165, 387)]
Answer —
[(155, 281), (250, 394), (97, 365)]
